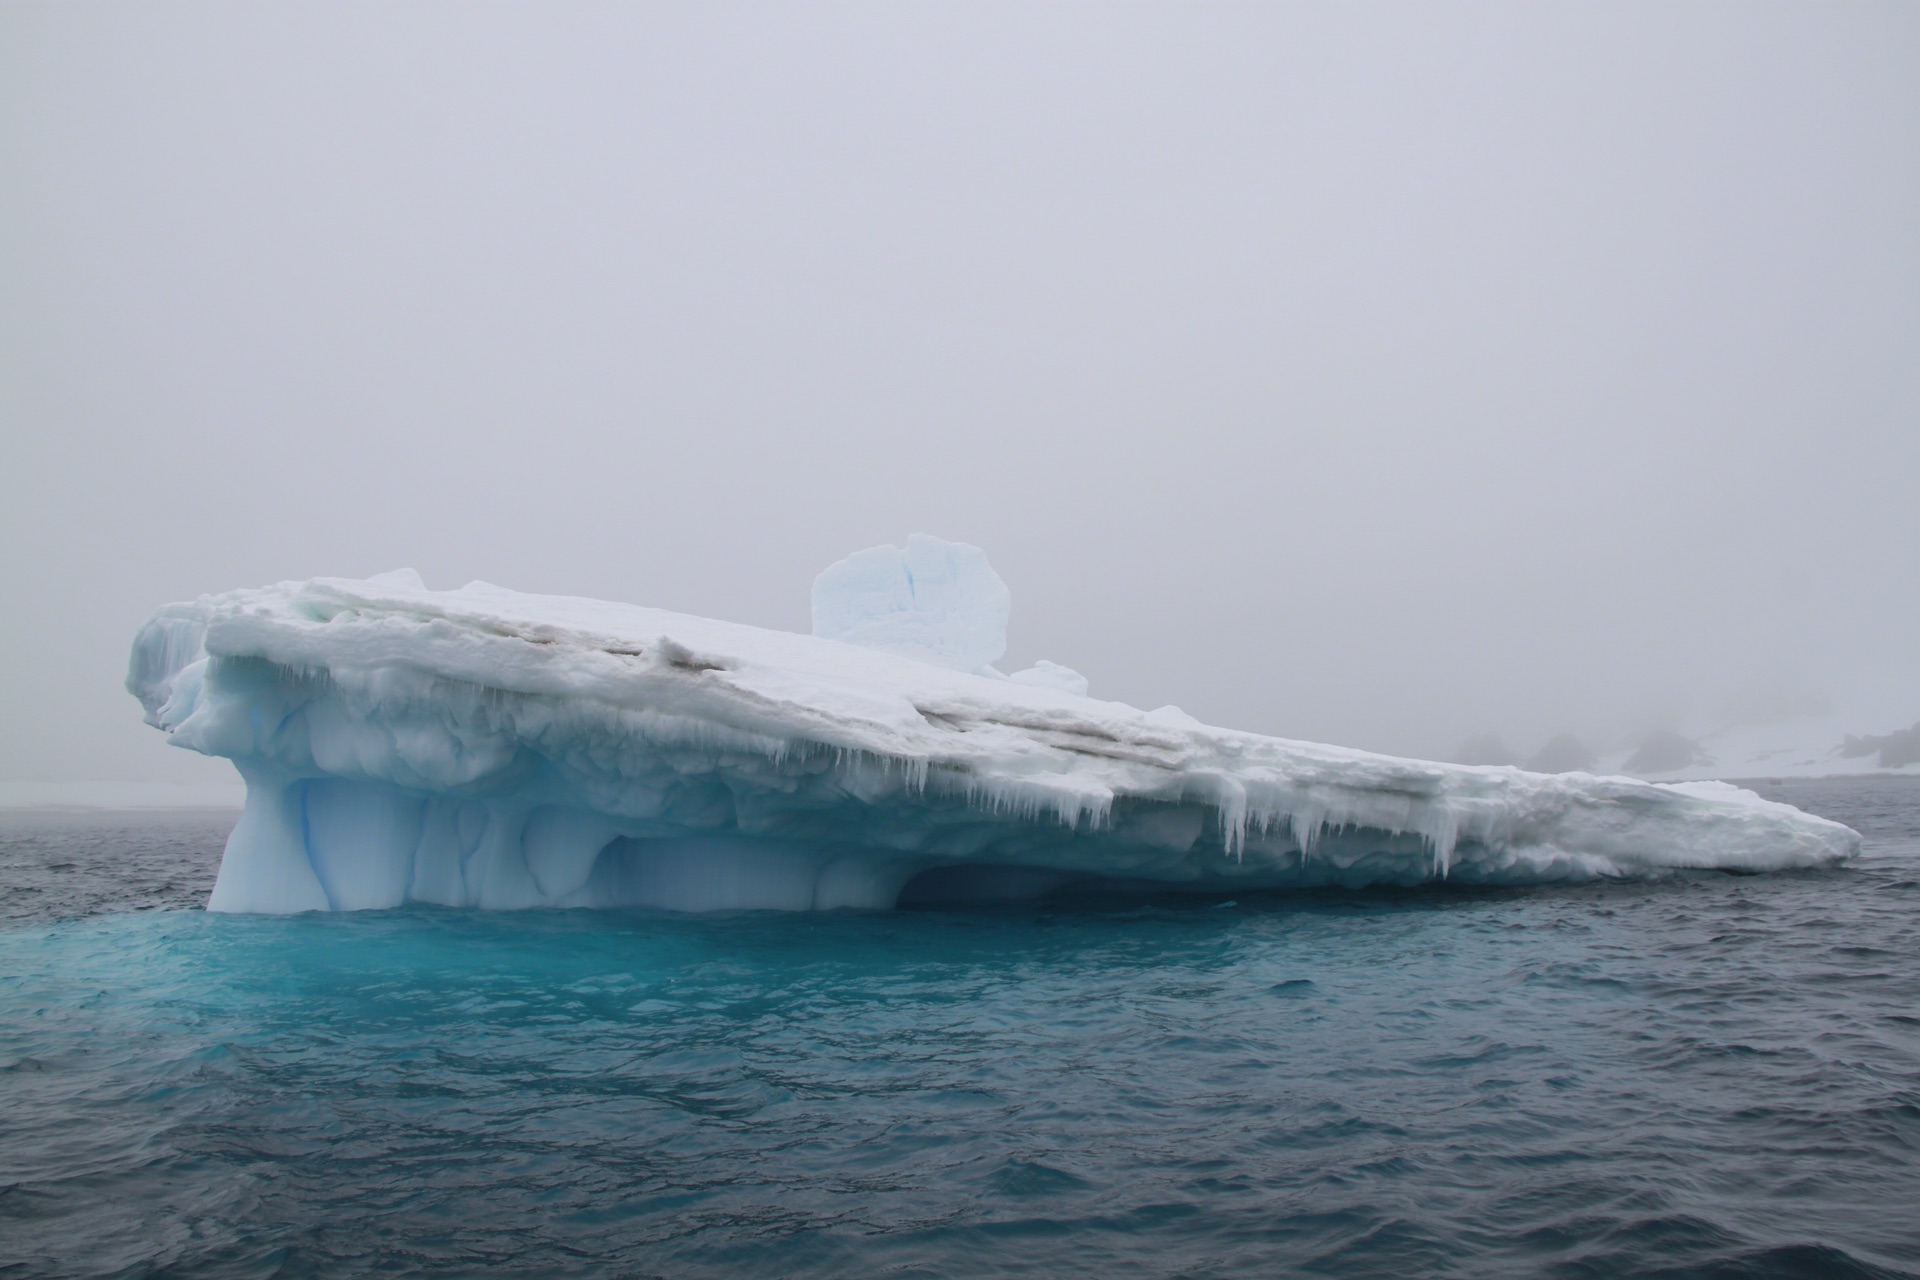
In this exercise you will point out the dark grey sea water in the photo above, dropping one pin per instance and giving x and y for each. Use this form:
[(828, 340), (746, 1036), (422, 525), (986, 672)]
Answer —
[(1709, 1076)]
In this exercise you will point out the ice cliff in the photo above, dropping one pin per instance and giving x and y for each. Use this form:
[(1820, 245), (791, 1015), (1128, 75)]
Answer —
[(481, 747)]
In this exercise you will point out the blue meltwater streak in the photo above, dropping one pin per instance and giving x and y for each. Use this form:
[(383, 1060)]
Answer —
[(1706, 1075)]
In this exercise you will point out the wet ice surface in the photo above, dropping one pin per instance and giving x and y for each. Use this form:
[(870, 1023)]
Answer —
[(1707, 1075)]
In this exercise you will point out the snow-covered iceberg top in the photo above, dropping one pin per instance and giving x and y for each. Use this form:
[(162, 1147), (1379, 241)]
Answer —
[(487, 748)]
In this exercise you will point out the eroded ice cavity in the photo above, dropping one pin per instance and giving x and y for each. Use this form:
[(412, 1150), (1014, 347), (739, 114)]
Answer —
[(485, 748)]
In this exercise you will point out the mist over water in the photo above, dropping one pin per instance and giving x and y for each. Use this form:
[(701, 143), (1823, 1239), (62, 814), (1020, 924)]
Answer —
[(1700, 1076), (1382, 376)]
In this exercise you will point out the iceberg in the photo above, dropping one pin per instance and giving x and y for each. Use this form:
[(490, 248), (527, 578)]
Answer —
[(940, 602), (486, 748)]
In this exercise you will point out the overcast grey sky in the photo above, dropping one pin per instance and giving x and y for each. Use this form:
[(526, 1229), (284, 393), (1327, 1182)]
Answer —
[(1381, 374)]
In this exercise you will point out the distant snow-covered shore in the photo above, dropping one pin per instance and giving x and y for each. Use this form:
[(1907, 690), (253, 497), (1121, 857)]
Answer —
[(29, 794)]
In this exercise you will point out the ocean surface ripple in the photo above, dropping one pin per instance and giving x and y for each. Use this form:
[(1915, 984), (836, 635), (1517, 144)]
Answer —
[(1707, 1075)]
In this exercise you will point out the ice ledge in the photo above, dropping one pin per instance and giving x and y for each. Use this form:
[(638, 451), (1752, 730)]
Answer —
[(485, 748)]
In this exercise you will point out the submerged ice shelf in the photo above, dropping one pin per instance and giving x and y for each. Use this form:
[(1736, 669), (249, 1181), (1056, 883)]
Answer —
[(485, 748)]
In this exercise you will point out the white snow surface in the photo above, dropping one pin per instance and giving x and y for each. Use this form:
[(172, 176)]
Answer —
[(481, 747), (1051, 675)]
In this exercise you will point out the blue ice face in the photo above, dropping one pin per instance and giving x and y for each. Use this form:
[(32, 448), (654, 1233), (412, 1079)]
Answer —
[(936, 601)]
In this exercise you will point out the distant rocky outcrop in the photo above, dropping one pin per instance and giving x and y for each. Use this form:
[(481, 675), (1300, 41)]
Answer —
[(1562, 754), (1897, 749), (1485, 749), (1665, 752)]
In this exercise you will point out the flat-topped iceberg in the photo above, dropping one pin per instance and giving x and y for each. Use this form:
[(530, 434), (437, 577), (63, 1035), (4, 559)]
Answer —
[(485, 748)]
